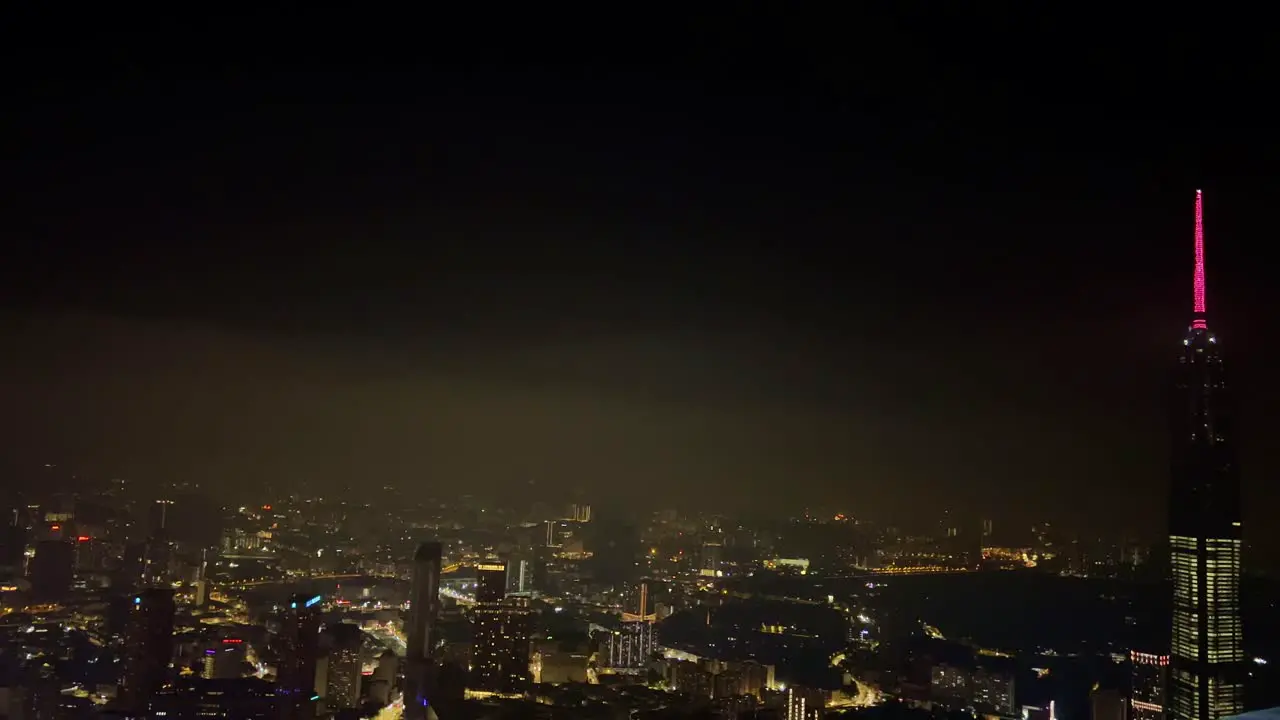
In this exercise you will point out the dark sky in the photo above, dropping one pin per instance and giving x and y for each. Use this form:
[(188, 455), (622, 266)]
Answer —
[(881, 264)]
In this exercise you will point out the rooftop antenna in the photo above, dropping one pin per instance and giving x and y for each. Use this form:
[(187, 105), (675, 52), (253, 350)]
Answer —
[(1198, 281)]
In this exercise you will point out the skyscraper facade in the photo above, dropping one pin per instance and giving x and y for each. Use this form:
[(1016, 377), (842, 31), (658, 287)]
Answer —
[(424, 607), (1147, 691), (345, 665), (299, 655), (630, 647), (1206, 668), (502, 635), (149, 647), (502, 631), (491, 581)]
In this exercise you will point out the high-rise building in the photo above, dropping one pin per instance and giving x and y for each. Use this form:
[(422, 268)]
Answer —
[(247, 698), (712, 553), (13, 547), (345, 665), (491, 581), (1207, 671), (502, 633), (299, 641), (631, 646), (224, 660), (157, 559), (804, 704), (424, 607), (1107, 704), (149, 647), (1149, 680), (424, 601), (522, 574), (993, 689), (52, 570)]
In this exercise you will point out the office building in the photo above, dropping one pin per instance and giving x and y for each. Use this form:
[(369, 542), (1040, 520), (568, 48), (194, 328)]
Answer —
[(804, 704), (521, 575), (224, 660), (248, 698), (148, 647), (345, 665), (491, 581), (298, 643), (1207, 664), (1107, 704), (424, 600), (424, 608), (13, 549), (712, 555), (631, 646), (993, 691), (52, 570), (1149, 683), (502, 633)]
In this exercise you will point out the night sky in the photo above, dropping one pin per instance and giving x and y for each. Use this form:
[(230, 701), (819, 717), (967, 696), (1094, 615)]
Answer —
[(889, 267)]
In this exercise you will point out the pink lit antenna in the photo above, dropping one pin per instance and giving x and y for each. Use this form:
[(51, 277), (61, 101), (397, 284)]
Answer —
[(1198, 283)]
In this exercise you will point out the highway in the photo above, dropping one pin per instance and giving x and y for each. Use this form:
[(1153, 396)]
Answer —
[(285, 581)]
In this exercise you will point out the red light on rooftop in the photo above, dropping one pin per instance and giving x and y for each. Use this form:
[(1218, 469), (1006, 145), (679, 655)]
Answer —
[(231, 641), (83, 538), (55, 528)]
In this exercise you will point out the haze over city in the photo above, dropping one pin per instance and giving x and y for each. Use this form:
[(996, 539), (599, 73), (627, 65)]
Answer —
[(741, 320)]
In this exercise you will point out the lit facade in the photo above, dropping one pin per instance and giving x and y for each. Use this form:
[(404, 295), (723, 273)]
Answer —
[(994, 691), (345, 666), (491, 581), (805, 704), (630, 647), (1149, 685), (1207, 670), (501, 635), (949, 681)]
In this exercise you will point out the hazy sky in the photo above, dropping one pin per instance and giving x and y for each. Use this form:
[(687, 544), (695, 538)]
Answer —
[(900, 276)]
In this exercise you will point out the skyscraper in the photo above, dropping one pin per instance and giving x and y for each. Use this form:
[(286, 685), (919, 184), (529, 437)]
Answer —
[(424, 606), (1206, 678), (491, 581), (299, 654), (633, 643), (424, 602), (149, 647), (502, 633), (343, 691), (52, 570), (1149, 680)]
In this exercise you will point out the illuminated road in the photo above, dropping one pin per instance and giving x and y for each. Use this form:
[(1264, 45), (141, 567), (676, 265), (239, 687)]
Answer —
[(389, 638), (392, 711), (459, 596), (867, 695), (286, 581)]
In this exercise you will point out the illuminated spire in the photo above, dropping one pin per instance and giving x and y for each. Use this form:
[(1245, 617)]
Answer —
[(1198, 281)]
